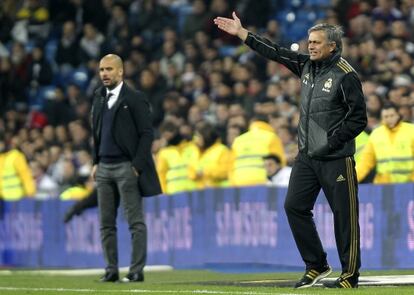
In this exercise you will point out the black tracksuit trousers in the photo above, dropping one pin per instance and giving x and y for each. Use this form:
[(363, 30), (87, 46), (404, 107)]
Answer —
[(338, 180)]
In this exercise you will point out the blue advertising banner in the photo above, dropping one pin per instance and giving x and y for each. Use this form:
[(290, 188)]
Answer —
[(215, 226)]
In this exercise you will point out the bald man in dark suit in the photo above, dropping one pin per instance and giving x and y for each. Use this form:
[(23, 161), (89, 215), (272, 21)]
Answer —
[(123, 165)]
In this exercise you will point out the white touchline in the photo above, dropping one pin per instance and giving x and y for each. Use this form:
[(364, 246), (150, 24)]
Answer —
[(143, 291)]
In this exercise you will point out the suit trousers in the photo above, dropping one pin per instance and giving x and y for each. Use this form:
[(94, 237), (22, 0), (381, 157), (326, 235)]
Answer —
[(116, 181), (337, 178)]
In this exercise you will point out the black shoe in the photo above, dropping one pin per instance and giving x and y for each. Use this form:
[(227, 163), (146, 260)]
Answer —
[(312, 276), (133, 277), (109, 277), (342, 283)]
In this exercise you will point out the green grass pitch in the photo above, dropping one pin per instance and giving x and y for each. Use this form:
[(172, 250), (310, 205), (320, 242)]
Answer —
[(182, 282)]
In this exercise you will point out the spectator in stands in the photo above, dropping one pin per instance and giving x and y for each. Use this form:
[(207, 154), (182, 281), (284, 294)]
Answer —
[(83, 160), (33, 21), (7, 91), (153, 88), (40, 70), (171, 56), (390, 150), (149, 19), (90, 43), (47, 187), (6, 24), (79, 135), (19, 70), (57, 108), (387, 11), (276, 174), (196, 20), (67, 52)]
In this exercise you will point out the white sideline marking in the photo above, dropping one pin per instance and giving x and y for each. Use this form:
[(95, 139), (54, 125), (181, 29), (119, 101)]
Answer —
[(143, 291), (75, 272), (381, 280)]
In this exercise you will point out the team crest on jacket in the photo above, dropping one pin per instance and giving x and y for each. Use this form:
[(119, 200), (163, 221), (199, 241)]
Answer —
[(305, 79), (327, 86)]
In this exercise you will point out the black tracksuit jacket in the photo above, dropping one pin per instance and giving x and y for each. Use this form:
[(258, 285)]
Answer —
[(332, 105)]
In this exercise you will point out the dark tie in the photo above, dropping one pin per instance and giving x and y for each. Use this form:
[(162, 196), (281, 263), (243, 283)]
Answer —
[(108, 96)]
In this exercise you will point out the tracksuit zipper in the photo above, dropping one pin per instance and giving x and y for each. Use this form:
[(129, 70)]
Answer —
[(307, 118)]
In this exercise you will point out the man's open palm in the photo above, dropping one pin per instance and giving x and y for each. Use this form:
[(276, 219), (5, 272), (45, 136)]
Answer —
[(231, 26)]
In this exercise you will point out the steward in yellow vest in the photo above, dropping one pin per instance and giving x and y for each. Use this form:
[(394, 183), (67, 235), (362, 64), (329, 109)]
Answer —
[(360, 142), (16, 180), (172, 161), (81, 190), (210, 169), (248, 151), (77, 192), (390, 149)]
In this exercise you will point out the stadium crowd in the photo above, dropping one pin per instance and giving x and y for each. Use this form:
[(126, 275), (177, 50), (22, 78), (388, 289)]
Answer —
[(212, 98)]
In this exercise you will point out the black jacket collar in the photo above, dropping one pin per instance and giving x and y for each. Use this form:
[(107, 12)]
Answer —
[(321, 67)]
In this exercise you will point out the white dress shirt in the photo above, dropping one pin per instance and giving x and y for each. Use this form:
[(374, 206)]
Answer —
[(281, 178), (115, 94)]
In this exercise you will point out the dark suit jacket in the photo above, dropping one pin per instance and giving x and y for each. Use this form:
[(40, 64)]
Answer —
[(132, 132)]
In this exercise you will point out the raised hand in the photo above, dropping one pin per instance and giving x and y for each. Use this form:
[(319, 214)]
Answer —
[(231, 26)]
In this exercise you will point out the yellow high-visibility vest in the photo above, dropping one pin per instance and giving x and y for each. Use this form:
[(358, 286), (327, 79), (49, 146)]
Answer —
[(190, 153), (248, 150), (360, 141), (75, 193), (213, 164), (16, 179), (394, 153), (395, 156), (172, 168)]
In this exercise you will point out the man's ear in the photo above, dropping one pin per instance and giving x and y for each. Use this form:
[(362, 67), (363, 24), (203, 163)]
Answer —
[(333, 46)]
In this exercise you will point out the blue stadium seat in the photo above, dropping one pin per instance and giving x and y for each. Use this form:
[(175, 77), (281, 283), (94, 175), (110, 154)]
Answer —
[(227, 50), (298, 30), (181, 12), (29, 46), (319, 3), (37, 100), (50, 50), (79, 77)]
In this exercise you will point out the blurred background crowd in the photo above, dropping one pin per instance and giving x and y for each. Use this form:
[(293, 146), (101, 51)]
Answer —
[(217, 106)]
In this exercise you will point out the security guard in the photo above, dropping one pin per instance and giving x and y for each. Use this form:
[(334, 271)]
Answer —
[(172, 161), (248, 150), (16, 180), (210, 169), (390, 150)]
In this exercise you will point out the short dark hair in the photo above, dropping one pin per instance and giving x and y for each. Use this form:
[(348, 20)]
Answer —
[(168, 126), (389, 105), (334, 33), (208, 132), (273, 157)]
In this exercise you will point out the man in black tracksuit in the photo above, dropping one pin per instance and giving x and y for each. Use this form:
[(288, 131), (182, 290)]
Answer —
[(332, 114)]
